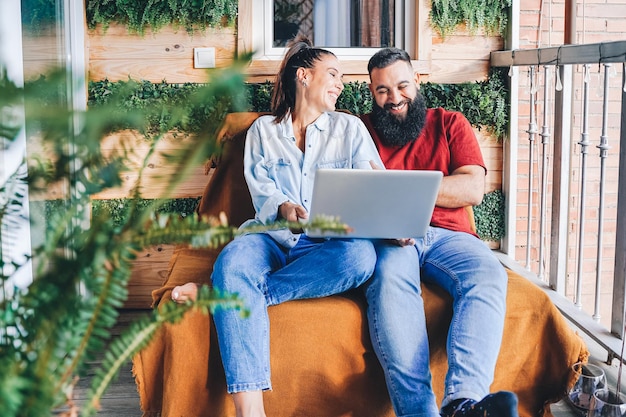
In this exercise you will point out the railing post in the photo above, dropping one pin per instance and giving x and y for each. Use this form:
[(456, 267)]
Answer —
[(560, 180), (604, 150), (532, 131), (509, 174), (510, 146), (545, 141), (619, 274), (584, 144)]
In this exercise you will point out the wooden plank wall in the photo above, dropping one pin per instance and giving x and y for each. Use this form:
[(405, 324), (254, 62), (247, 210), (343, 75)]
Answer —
[(461, 57), (168, 55), (151, 266), (156, 172), (492, 154)]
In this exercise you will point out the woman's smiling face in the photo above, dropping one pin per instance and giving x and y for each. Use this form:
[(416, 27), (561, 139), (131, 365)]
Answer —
[(324, 83)]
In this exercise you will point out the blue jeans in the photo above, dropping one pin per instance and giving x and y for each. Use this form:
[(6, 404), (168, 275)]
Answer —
[(263, 273), (463, 266)]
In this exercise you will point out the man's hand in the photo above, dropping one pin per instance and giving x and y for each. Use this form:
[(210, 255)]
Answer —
[(374, 165), (409, 241), (292, 212)]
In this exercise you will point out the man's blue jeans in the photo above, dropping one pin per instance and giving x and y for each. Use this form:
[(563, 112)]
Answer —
[(263, 273), (463, 266)]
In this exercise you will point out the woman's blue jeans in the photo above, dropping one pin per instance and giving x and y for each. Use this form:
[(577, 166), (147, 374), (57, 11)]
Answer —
[(464, 267), (263, 273)]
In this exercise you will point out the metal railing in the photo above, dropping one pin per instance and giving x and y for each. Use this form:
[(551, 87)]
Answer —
[(575, 224)]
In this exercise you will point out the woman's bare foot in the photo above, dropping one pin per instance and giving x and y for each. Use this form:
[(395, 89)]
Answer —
[(182, 293)]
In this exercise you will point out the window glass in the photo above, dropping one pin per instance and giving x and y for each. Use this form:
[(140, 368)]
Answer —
[(336, 23)]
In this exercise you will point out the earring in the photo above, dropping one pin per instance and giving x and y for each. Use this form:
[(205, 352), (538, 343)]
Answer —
[(304, 84)]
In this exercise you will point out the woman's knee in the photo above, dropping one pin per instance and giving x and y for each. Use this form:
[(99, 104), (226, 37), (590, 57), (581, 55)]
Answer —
[(239, 263), (359, 254), (223, 269)]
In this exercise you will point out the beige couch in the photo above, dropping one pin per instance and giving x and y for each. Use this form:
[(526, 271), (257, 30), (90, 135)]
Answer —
[(322, 361)]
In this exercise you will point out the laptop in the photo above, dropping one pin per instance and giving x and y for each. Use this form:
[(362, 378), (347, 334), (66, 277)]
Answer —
[(377, 204)]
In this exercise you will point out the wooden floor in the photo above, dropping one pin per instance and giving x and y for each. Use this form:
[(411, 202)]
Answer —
[(122, 399)]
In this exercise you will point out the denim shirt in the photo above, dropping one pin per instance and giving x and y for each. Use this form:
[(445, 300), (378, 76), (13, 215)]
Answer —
[(277, 171)]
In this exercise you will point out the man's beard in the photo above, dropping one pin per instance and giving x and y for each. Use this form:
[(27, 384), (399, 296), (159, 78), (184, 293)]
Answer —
[(398, 132)]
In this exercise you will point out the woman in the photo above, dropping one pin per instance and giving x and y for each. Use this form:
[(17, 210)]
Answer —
[(282, 153)]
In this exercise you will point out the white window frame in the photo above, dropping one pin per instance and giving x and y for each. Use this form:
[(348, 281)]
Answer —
[(71, 38), (262, 30), (13, 158)]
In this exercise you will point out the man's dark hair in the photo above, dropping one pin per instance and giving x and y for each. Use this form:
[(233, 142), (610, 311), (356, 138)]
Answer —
[(386, 57)]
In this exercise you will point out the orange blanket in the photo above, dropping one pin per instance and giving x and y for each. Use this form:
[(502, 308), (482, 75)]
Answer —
[(322, 361)]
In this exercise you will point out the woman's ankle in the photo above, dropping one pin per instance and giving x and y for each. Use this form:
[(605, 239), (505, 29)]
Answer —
[(249, 404)]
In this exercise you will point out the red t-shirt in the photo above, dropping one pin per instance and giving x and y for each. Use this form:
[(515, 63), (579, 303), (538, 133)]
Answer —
[(446, 143)]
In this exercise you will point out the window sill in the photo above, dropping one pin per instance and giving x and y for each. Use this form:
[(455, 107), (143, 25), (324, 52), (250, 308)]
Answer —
[(264, 69)]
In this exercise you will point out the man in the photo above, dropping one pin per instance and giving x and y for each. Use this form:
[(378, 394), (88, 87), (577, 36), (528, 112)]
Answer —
[(409, 136)]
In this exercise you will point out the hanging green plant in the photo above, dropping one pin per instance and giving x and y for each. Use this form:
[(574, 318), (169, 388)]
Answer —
[(484, 103), (118, 209), (138, 16), (158, 102), (356, 98), (489, 216), (489, 15)]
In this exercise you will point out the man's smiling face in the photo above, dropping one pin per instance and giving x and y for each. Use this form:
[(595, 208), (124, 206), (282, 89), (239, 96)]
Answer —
[(399, 110), (394, 87)]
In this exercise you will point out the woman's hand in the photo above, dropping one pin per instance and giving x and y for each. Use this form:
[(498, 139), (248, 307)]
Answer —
[(292, 212)]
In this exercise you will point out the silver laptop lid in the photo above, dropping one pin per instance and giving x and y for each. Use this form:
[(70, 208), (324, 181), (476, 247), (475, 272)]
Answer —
[(389, 204)]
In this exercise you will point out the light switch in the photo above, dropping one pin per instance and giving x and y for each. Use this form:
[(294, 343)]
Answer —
[(204, 57)]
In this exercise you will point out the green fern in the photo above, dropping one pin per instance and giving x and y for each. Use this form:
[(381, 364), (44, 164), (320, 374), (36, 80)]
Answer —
[(49, 330)]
